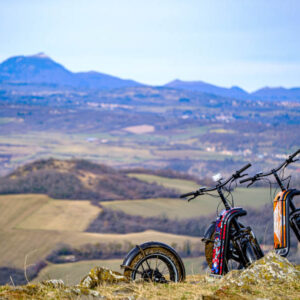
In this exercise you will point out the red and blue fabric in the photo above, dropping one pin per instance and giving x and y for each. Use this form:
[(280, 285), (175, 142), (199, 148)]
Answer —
[(219, 242)]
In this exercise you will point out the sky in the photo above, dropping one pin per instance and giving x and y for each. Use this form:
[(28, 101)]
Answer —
[(249, 43)]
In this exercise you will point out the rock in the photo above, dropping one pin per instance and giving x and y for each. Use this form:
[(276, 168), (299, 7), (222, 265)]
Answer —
[(54, 283), (100, 275), (83, 291), (271, 269)]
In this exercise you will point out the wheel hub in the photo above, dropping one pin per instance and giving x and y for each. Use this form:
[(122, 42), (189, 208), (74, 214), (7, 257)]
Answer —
[(153, 275)]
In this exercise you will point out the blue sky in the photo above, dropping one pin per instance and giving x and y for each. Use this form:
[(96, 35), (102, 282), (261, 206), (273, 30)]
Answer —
[(247, 43)]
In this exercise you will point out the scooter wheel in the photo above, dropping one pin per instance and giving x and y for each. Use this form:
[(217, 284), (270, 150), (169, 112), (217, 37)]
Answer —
[(155, 264)]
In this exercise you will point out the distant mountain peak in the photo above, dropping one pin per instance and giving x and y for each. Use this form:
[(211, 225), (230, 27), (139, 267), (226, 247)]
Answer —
[(40, 55), (41, 69), (179, 81)]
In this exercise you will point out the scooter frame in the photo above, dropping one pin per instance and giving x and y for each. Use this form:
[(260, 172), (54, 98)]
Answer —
[(285, 213)]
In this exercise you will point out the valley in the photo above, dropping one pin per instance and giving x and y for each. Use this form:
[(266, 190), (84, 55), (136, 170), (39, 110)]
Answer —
[(35, 226), (92, 164)]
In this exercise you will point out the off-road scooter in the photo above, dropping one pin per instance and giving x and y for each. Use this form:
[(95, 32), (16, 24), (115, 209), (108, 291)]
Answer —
[(285, 213), (227, 243)]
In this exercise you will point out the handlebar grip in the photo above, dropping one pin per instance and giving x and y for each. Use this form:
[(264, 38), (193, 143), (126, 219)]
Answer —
[(244, 168), (246, 179), (187, 194)]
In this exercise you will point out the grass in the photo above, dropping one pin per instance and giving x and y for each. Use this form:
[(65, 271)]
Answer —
[(181, 185), (181, 209), (195, 287), (72, 273)]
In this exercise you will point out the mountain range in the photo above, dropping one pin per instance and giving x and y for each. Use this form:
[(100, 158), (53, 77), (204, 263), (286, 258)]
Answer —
[(40, 69)]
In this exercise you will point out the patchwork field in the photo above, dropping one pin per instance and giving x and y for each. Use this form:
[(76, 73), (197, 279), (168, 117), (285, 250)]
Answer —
[(33, 225), (181, 209), (23, 148), (71, 273), (115, 147)]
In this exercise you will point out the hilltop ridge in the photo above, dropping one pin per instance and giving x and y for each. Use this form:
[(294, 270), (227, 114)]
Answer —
[(78, 179)]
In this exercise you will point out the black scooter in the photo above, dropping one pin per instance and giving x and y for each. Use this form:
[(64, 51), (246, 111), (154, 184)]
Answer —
[(227, 242), (286, 215)]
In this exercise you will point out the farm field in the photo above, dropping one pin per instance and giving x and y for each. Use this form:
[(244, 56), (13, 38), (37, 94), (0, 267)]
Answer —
[(181, 209), (16, 208), (63, 215), (31, 146), (113, 147), (71, 273), (30, 234), (34, 211), (117, 148), (30, 246), (183, 186)]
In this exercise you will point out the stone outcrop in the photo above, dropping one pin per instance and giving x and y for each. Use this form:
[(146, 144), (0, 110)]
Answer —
[(271, 269), (100, 275)]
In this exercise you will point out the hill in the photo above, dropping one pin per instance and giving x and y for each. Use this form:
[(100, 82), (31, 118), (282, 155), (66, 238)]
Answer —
[(79, 179), (203, 87), (42, 70), (278, 94), (266, 93)]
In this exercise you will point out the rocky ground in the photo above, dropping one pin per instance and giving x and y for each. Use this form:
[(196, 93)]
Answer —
[(272, 277)]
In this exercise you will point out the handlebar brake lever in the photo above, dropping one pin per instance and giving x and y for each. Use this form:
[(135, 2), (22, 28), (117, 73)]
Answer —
[(190, 199), (250, 183), (244, 175)]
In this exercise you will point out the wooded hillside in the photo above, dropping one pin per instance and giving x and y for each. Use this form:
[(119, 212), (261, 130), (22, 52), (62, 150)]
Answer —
[(79, 179)]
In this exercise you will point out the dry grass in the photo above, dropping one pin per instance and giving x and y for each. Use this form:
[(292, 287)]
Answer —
[(195, 287)]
